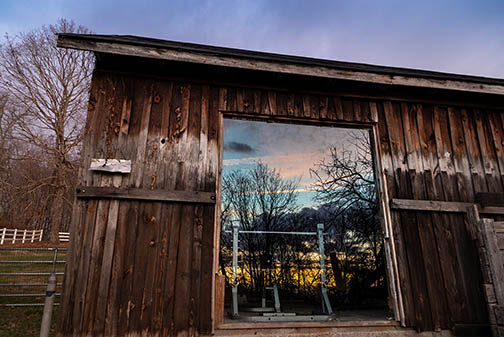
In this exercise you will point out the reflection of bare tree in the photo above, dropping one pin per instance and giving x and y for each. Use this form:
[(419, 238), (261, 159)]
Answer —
[(257, 199), (347, 196), (347, 176)]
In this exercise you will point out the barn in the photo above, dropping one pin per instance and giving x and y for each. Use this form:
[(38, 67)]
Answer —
[(143, 258)]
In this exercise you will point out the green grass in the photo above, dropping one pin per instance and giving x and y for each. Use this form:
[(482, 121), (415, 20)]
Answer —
[(25, 321)]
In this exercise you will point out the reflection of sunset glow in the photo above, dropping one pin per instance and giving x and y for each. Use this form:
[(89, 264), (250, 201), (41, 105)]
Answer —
[(289, 165)]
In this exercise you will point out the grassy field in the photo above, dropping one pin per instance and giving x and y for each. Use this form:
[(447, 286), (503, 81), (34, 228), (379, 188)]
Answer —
[(25, 321)]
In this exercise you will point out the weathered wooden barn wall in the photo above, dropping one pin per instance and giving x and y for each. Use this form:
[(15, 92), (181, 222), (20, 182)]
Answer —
[(428, 151), (147, 267)]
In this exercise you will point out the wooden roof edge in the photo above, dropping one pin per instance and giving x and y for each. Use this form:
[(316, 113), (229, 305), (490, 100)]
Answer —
[(252, 60)]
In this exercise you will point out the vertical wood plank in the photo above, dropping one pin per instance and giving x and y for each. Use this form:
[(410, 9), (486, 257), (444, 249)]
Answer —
[(306, 106), (159, 129), (272, 102), (281, 104), (154, 221), (423, 305), (373, 111), (265, 104), (169, 286), (388, 165), (240, 107), (298, 105), (460, 156), (433, 271), (257, 101), (365, 112), (209, 242), (96, 253), (466, 193), (183, 274), (463, 250), (382, 192), (357, 110), (146, 151), (314, 107), (81, 283), (290, 104), (231, 99), (497, 134), (220, 284), (473, 152), (116, 139), (195, 176), (348, 113), (440, 222), (323, 105), (487, 153), (339, 108), (248, 101), (331, 108), (106, 263)]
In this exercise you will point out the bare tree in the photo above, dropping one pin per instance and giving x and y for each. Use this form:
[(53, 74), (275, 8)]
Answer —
[(48, 88), (6, 129)]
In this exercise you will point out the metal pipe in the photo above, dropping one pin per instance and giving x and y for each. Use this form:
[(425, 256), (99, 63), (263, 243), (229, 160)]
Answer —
[(45, 326), (26, 295), (35, 249), (30, 274), (235, 270), (325, 299), (275, 232), (26, 284), (25, 304), (37, 261)]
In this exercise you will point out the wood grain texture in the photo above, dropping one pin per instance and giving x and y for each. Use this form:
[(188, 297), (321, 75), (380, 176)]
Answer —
[(433, 268), (144, 194), (389, 166), (142, 265)]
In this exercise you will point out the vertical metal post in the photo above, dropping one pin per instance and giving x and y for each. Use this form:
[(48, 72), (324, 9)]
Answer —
[(49, 299), (276, 298), (325, 299), (235, 270)]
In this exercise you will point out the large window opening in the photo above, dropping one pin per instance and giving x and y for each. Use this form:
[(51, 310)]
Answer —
[(300, 236)]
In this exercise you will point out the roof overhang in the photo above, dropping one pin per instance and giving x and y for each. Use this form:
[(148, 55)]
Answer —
[(285, 64)]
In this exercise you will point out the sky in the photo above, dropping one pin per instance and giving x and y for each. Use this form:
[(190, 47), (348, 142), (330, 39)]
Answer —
[(455, 36)]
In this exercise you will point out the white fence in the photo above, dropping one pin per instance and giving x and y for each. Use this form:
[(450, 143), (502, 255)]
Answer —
[(64, 236), (9, 235)]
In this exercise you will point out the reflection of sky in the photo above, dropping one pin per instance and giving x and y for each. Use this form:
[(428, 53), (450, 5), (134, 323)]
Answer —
[(290, 149)]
